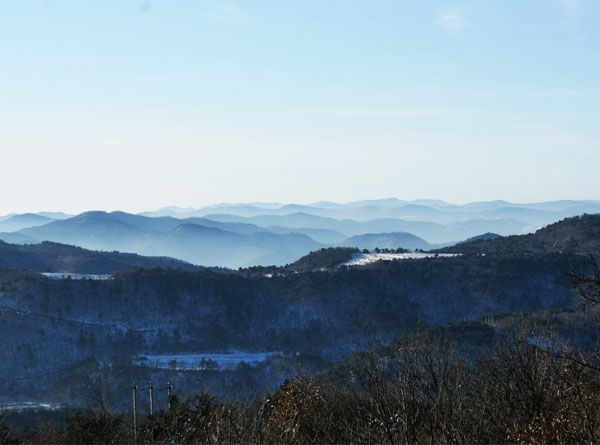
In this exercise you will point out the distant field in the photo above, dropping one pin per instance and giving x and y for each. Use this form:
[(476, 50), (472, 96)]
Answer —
[(76, 276), (199, 362)]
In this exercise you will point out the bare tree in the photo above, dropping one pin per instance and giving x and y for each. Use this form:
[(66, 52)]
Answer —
[(587, 281)]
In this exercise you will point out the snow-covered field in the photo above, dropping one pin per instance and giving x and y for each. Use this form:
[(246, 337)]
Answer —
[(200, 362), (75, 276), (20, 406), (360, 259)]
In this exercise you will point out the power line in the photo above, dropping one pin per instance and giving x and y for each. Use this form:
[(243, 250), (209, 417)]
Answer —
[(37, 376)]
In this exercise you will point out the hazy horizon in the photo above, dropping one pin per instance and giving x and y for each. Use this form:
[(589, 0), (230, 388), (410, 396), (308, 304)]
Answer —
[(274, 204), (137, 105), (339, 221)]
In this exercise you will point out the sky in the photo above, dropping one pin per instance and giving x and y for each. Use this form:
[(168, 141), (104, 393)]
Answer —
[(135, 105)]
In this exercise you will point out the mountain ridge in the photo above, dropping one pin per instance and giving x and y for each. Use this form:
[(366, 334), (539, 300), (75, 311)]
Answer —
[(61, 258), (214, 244), (579, 234)]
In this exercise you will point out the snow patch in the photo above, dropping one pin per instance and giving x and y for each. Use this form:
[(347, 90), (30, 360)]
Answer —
[(75, 276), (361, 259), (201, 362), (21, 406)]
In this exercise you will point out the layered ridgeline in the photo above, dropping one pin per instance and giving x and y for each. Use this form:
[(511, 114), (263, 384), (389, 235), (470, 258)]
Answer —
[(418, 210), (274, 234), (61, 258), (11, 223), (90, 334), (579, 234), (196, 240)]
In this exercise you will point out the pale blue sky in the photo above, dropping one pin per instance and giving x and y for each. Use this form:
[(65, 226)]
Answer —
[(133, 105)]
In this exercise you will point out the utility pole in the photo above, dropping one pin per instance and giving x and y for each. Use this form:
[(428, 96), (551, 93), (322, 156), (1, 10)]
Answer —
[(134, 390), (151, 389), (169, 396)]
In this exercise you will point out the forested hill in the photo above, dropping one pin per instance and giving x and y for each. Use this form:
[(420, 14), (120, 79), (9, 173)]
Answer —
[(325, 314), (580, 234), (322, 259), (55, 257), (307, 309)]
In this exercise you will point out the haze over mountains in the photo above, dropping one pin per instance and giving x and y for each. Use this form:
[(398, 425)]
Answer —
[(56, 258), (314, 308), (235, 235)]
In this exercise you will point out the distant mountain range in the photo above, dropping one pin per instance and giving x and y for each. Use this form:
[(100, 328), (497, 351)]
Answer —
[(537, 214), (195, 240), (313, 306), (18, 222), (432, 232), (240, 235)]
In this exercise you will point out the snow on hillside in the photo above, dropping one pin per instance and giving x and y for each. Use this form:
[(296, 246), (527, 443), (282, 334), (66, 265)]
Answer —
[(21, 406), (360, 259), (75, 276)]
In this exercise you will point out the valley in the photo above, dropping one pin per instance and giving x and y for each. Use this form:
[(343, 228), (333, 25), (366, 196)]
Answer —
[(78, 326), (95, 330)]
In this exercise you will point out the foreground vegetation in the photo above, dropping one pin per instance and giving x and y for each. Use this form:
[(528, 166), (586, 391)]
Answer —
[(530, 387), (519, 381), (525, 391)]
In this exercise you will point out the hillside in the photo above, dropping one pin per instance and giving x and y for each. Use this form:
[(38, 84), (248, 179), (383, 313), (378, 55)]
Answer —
[(393, 240), (309, 313), (482, 237), (322, 259), (580, 234), (323, 316), (54, 257), (18, 222)]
